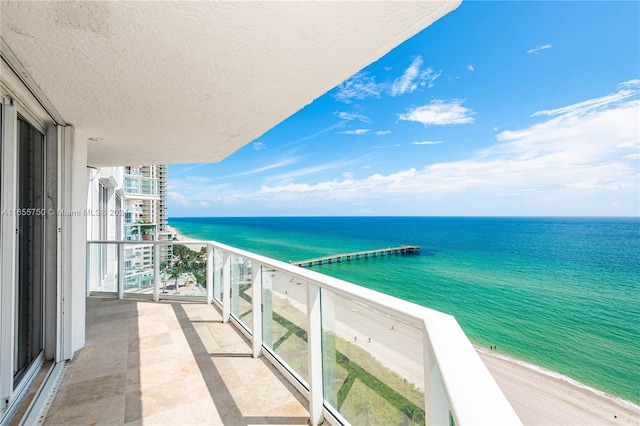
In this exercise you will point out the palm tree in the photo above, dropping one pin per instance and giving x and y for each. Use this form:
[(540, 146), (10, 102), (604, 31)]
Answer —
[(174, 274)]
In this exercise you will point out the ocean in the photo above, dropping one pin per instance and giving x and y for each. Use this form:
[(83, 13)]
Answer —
[(559, 293)]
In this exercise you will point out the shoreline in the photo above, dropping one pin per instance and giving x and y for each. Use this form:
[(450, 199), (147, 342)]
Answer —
[(184, 240), (625, 403), (542, 397)]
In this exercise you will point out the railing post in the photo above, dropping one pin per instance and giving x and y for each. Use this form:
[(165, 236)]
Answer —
[(314, 346), (156, 272), (120, 270), (436, 407), (209, 273), (226, 287), (256, 300)]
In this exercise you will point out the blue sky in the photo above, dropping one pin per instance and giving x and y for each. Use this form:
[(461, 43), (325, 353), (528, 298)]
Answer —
[(499, 108)]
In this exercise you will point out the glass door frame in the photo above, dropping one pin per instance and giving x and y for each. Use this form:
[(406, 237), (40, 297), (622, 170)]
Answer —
[(11, 392)]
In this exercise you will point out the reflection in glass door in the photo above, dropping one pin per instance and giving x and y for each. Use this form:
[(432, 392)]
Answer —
[(29, 337)]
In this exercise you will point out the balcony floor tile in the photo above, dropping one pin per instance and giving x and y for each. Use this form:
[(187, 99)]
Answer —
[(169, 363)]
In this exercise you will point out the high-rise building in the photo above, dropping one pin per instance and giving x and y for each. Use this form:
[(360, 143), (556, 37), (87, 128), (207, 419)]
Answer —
[(131, 206)]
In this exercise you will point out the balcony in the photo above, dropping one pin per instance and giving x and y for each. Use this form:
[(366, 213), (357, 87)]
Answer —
[(140, 231), (352, 353), (140, 187), (169, 363)]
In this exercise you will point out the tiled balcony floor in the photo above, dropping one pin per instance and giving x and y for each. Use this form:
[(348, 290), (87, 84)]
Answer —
[(169, 363)]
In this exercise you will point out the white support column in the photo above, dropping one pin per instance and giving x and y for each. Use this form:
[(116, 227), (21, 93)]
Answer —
[(78, 232), (314, 346), (226, 287), (120, 270), (256, 299), (8, 250), (156, 272), (65, 287), (436, 407), (209, 273), (60, 259)]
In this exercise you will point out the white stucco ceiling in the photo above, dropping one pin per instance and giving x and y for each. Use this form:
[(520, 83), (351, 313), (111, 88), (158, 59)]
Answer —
[(150, 82)]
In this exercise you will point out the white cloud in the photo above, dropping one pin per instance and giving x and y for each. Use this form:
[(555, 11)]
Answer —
[(406, 83), (348, 185), (566, 165), (176, 196), (627, 90), (355, 132), (413, 78), (471, 68), (581, 161), (363, 85), (271, 166), (259, 146), (360, 86), (427, 143), (189, 168), (321, 132), (428, 77), (440, 113), (364, 132), (352, 116), (539, 48), (320, 168), (631, 84)]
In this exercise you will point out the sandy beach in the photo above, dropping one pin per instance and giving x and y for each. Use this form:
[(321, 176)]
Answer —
[(539, 398), (179, 237)]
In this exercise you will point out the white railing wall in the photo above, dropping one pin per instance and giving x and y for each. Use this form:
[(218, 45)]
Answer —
[(458, 388)]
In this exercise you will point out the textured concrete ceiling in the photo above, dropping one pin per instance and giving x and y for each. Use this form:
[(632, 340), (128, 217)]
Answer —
[(150, 82)]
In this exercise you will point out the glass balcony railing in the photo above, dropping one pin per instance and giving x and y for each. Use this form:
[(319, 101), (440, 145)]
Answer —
[(137, 185), (359, 356), (140, 231)]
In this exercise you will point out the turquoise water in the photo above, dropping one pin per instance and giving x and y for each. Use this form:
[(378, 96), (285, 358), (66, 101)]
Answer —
[(560, 293)]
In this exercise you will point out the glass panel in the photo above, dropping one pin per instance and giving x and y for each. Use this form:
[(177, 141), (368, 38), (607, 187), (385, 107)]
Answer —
[(183, 270), (103, 267), (241, 290), (372, 363), (285, 319), (30, 289), (118, 218), (217, 275), (138, 269), (140, 232), (140, 185)]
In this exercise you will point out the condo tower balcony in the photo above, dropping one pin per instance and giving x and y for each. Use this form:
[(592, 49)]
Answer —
[(343, 353)]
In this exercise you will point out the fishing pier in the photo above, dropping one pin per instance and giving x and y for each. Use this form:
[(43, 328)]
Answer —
[(347, 257)]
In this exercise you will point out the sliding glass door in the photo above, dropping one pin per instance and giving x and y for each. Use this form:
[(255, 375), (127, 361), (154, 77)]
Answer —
[(29, 291)]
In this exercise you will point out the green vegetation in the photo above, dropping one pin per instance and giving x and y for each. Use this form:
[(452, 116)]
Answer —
[(185, 261)]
